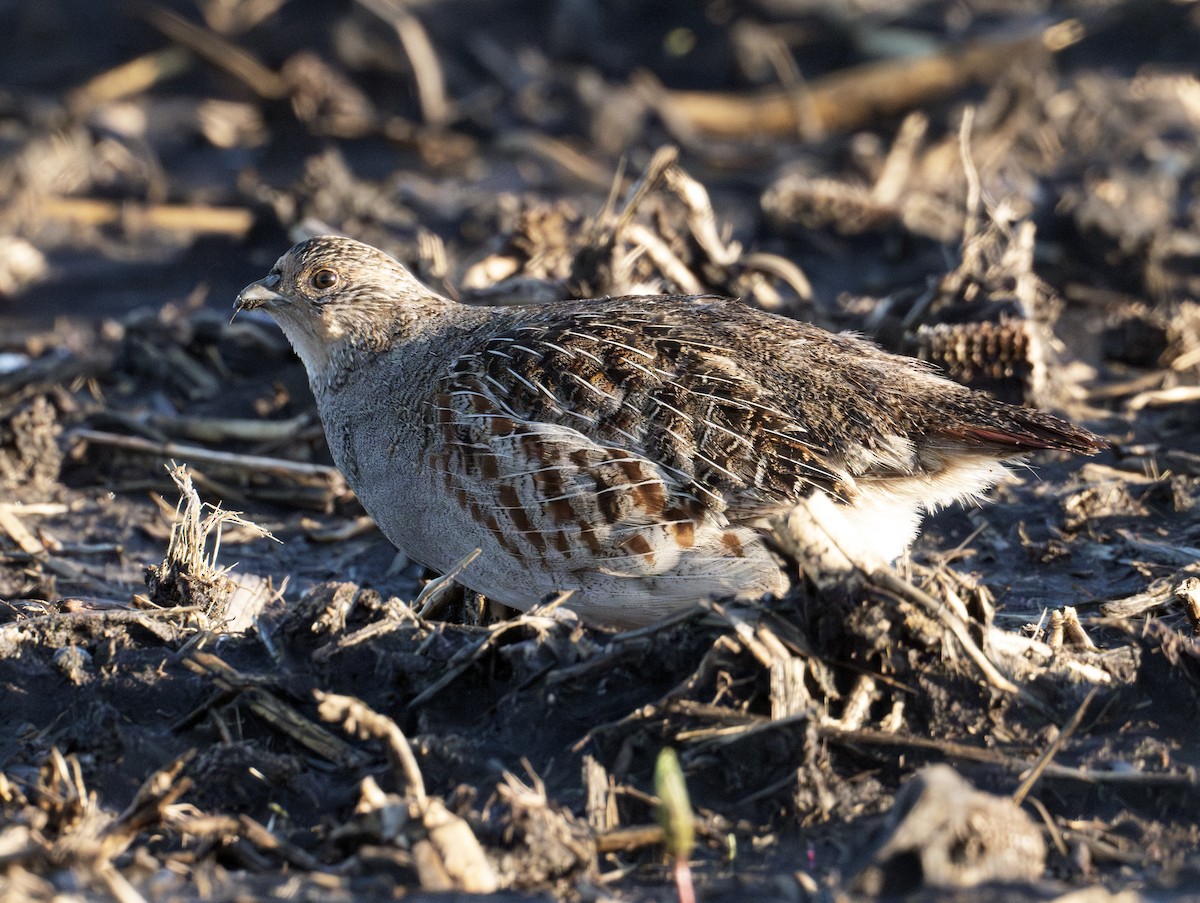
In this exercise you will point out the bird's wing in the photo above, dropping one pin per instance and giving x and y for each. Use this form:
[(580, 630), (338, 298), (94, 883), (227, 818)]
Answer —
[(662, 380), (556, 497)]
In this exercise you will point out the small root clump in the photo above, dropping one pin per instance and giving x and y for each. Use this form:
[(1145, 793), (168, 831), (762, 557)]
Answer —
[(189, 576)]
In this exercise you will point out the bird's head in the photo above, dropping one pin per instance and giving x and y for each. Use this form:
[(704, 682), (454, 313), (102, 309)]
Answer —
[(331, 293)]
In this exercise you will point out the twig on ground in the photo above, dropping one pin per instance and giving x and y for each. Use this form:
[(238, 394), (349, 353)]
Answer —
[(274, 711), (1028, 782)]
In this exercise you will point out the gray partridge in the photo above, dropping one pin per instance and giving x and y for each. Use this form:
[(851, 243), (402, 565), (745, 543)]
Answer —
[(640, 451)]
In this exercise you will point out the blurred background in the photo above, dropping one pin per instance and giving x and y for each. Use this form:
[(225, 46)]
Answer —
[(156, 152)]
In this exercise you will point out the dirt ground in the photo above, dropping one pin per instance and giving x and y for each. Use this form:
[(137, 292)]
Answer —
[(191, 709)]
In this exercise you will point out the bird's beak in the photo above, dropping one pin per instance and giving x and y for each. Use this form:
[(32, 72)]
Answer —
[(258, 294)]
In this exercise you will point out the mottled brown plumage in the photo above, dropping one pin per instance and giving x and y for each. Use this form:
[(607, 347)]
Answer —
[(636, 450)]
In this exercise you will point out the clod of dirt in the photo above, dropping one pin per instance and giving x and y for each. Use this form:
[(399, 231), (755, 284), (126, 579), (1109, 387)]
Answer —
[(29, 452), (1136, 335), (75, 663), (944, 833), (551, 843)]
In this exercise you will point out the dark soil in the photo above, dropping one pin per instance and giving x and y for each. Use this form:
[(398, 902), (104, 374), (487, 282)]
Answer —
[(1024, 216)]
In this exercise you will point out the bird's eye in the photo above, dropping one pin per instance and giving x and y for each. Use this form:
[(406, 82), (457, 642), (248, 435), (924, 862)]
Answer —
[(324, 279)]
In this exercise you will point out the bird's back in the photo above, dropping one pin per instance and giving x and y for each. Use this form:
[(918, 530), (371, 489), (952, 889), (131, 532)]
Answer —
[(749, 410)]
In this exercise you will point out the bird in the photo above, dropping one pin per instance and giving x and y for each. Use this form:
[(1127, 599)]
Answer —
[(640, 452)]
